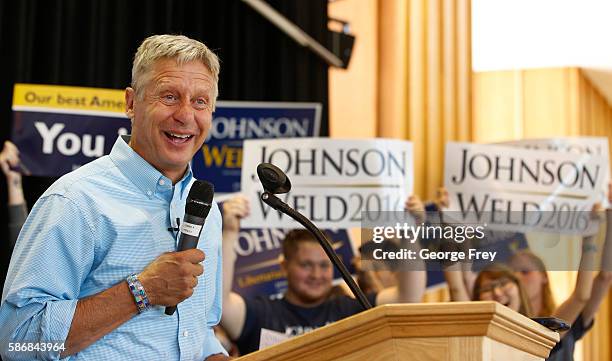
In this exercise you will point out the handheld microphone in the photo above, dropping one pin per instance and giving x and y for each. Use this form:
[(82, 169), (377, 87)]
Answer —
[(199, 201), (274, 182)]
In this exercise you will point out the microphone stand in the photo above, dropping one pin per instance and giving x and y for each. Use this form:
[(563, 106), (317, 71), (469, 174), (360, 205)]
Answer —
[(274, 202)]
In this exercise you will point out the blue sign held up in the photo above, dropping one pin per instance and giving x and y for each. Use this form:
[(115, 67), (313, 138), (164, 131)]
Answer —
[(220, 160)]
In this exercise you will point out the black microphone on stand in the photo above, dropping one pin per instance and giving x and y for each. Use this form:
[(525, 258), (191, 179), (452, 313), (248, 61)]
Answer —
[(274, 182), (199, 201)]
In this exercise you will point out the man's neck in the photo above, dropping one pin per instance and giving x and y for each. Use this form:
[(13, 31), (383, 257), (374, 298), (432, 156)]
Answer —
[(175, 177)]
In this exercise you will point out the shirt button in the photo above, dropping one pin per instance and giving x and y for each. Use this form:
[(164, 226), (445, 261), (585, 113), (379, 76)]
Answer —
[(185, 333), (161, 182)]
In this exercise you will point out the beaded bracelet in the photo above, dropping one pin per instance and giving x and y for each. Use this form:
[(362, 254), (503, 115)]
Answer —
[(140, 296)]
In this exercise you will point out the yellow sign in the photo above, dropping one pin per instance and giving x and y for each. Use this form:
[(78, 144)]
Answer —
[(68, 98)]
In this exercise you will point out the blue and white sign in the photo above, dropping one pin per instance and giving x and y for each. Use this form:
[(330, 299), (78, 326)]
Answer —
[(220, 161)]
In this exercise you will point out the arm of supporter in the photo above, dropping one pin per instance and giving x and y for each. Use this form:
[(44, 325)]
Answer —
[(234, 307), (15, 189), (410, 288), (17, 216), (442, 199), (9, 158), (412, 281), (458, 275), (469, 278), (603, 280), (454, 275), (213, 350), (571, 308), (366, 279), (601, 286), (218, 357)]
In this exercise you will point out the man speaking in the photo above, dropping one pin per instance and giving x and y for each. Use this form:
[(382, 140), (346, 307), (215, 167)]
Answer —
[(95, 263)]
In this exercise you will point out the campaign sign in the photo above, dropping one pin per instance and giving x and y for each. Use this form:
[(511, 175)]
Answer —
[(576, 145), (53, 144), (524, 190), (59, 128), (334, 180), (220, 160), (257, 268)]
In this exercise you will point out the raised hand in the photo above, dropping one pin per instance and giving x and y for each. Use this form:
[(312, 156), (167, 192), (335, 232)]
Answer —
[(234, 210), (415, 206), (9, 158), (442, 199)]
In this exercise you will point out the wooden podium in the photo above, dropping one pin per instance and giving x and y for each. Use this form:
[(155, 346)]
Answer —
[(452, 331)]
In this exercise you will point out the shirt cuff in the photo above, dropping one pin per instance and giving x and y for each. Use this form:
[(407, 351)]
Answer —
[(212, 346), (49, 323), (62, 314)]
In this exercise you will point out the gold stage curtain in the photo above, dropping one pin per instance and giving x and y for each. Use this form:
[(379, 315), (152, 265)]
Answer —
[(425, 81), (425, 85)]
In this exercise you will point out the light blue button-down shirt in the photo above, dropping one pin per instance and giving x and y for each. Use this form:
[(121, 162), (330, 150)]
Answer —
[(89, 231)]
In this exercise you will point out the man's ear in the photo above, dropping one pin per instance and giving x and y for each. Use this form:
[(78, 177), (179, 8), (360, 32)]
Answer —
[(130, 94)]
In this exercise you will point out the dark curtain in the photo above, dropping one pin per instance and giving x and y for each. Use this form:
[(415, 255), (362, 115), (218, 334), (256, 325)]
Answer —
[(92, 42)]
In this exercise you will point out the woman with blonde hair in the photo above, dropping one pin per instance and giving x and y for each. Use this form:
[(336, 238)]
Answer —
[(578, 309), (532, 271)]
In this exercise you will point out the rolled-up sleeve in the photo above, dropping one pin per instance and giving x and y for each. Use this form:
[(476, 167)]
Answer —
[(53, 255)]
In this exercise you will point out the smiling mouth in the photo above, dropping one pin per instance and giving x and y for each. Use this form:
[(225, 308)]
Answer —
[(178, 138)]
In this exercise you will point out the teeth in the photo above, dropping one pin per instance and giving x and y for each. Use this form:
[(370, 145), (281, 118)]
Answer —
[(183, 136)]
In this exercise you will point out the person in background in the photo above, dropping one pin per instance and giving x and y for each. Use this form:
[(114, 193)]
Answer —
[(497, 282), (523, 288), (580, 307), (384, 274), (380, 274), (17, 208), (459, 276), (95, 264), (228, 345), (512, 288), (307, 304)]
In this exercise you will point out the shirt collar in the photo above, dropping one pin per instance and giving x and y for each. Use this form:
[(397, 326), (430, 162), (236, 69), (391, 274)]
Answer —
[(140, 172)]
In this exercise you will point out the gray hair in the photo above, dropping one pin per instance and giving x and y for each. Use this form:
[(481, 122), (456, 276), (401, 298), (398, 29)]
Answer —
[(177, 47)]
